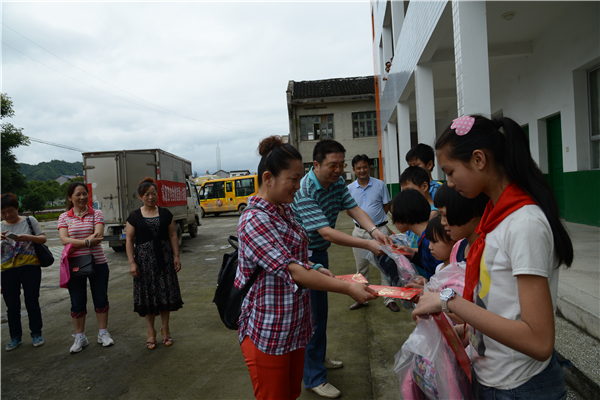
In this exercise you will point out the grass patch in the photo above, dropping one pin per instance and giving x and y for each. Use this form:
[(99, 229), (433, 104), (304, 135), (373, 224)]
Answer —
[(48, 216)]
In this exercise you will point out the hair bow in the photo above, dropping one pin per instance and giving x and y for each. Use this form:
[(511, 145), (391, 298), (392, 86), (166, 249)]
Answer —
[(462, 125)]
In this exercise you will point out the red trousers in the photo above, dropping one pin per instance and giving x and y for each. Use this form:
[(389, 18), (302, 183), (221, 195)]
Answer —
[(274, 377)]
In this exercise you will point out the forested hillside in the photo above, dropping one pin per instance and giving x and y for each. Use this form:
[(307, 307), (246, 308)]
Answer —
[(51, 170)]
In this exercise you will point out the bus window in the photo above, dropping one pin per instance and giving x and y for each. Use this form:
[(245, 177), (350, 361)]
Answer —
[(228, 186), (244, 187), (213, 190)]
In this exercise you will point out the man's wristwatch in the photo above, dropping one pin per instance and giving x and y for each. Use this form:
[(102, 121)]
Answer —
[(372, 229), (446, 295)]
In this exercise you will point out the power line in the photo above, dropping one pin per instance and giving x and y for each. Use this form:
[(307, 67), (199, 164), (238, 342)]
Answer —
[(131, 94), (56, 144)]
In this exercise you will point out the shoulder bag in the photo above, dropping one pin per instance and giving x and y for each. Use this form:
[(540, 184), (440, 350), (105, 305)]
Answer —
[(42, 251), (83, 266)]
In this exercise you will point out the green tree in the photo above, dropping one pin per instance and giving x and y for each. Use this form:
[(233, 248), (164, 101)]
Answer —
[(12, 137), (33, 202)]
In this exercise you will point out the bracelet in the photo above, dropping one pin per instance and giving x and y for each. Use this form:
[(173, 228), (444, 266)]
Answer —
[(317, 266), (371, 231), (88, 243)]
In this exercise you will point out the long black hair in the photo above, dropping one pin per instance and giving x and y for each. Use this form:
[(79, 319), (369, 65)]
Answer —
[(511, 156), (275, 156)]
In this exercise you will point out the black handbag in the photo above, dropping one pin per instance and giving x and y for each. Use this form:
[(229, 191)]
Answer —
[(42, 251), (83, 266)]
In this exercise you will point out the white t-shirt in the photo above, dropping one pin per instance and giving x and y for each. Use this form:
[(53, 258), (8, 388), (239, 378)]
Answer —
[(522, 244)]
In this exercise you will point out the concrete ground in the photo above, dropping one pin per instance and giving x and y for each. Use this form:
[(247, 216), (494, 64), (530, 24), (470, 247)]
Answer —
[(205, 361)]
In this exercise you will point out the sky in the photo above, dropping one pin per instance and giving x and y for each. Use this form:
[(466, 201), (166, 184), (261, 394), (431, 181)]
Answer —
[(181, 77)]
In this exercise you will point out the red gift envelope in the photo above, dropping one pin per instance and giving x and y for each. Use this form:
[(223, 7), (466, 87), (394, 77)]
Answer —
[(396, 292), (454, 343), (354, 278)]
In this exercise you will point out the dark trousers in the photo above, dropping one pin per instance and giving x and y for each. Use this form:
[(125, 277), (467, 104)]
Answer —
[(99, 287), (315, 373), (30, 278)]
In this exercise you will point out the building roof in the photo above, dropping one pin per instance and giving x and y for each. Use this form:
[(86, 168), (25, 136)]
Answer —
[(334, 87)]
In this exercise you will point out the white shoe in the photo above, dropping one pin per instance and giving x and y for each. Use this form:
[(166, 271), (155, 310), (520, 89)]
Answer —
[(327, 390), (105, 339), (80, 343), (331, 364)]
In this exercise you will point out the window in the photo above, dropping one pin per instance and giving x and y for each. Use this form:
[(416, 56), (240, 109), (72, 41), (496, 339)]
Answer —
[(228, 186), (594, 102), (316, 127), (364, 124), (244, 187), (213, 190)]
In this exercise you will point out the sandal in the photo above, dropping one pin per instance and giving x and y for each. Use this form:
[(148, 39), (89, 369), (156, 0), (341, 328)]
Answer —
[(166, 337), (151, 341)]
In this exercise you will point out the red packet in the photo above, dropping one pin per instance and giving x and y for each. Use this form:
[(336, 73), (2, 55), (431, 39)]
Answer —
[(353, 278), (454, 343), (396, 249), (396, 292)]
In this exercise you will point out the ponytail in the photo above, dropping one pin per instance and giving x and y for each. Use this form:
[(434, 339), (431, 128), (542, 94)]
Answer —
[(509, 151)]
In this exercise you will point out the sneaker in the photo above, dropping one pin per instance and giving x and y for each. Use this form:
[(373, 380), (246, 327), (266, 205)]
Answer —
[(105, 339), (13, 344), (38, 341), (332, 364), (327, 390), (80, 343)]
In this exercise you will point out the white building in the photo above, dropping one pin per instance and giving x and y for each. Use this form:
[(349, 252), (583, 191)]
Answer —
[(535, 62), (342, 109)]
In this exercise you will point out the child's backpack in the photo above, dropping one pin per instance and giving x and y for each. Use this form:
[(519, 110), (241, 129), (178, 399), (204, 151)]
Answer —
[(228, 298)]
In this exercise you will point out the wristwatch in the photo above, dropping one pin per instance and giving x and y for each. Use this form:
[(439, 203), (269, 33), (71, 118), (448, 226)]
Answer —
[(446, 295), (317, 266)]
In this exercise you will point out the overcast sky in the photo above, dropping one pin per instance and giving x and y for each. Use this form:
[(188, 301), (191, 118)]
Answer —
[(177, 76)]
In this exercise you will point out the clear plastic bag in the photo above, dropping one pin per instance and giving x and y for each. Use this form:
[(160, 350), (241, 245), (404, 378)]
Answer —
[(451, 276), (427, 367)]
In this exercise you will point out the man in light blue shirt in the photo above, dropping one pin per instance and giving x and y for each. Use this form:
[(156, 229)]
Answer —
[(371, 195)]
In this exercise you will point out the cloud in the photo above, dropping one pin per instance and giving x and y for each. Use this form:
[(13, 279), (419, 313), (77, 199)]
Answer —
[(226, 66)]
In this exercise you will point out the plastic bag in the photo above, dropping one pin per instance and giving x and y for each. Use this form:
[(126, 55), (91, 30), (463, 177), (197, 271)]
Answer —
[(451, 276), (427, 367)]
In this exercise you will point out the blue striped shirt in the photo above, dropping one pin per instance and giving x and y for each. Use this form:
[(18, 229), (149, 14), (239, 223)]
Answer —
[(316, 208)]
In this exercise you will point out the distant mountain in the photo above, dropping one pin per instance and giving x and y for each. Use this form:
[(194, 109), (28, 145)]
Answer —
[(51, 170)]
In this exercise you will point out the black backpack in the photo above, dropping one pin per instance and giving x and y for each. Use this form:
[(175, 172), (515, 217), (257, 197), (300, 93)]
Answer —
[(228, 298)]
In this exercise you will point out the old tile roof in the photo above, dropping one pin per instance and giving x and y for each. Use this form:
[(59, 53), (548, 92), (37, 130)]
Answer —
[(334, 87)]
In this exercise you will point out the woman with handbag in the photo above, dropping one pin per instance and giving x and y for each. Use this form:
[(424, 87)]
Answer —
[(83, 228), (20, 267), (153, 262), (276, 320)]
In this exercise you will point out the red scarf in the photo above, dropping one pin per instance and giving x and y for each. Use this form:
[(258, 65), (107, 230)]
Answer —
[(511, 199)]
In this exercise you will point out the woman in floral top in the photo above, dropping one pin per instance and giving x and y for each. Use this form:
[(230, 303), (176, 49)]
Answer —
[(276, 320)]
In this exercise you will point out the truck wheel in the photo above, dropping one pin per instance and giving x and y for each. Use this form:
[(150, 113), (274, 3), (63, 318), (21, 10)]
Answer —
[(118, 249), (241, 209), (179, 232), (193, 229), (202, 213)]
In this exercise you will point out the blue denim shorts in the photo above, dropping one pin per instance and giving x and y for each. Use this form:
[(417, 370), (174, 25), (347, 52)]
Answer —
[(548, 384)]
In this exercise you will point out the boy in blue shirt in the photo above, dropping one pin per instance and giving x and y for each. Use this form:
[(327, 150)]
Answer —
[(423, 156), (417, 178), (410, 211)]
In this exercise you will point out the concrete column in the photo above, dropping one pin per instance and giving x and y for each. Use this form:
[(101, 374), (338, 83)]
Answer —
[(394, 176), (425, 106), (403, 122), (386, 158), (397, 20), (471, 58)]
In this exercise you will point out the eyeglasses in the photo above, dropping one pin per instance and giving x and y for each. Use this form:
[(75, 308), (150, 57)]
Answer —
[(333, 167)]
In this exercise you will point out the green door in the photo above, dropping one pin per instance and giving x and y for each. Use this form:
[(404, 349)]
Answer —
[(555, 162)]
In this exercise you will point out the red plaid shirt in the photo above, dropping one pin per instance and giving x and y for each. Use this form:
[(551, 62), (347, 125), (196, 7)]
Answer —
[(276, 313)]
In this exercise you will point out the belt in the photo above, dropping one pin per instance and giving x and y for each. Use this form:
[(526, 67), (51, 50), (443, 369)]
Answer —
[(376, 226)]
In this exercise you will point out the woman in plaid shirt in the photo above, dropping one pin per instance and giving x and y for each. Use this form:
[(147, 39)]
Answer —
[(276, 320)]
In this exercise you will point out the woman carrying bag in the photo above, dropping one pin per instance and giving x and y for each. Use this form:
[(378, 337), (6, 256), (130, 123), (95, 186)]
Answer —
[(83, 228), (153, 262), (20, 267)]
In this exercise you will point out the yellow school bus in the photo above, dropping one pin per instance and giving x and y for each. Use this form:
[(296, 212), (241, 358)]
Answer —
[(227, 194)]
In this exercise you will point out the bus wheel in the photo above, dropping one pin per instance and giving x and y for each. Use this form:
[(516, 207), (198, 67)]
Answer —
[(179, 232), (193, 229), (202, 213), (241, 209)]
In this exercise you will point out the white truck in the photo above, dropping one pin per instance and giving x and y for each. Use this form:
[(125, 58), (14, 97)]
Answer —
[(112, 178)]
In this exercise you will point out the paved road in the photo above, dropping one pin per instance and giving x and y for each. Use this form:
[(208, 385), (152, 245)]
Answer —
[(205, 361)]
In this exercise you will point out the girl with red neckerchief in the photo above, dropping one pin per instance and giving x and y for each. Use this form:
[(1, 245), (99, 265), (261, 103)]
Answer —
[(511, 280)]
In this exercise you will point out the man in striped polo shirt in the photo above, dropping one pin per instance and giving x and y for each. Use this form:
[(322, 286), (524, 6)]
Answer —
[(322, 195)]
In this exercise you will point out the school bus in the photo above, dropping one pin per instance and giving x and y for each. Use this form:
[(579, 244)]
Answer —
[(227, 194)]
